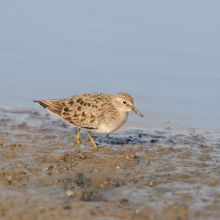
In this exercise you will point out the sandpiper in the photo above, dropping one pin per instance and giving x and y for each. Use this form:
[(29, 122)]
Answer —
[(96, 112)]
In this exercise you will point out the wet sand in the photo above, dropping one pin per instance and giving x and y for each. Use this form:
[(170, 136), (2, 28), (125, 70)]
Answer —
[(134, 174)]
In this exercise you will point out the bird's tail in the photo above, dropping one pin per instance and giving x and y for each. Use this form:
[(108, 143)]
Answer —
[(52, 105), (37, 102)]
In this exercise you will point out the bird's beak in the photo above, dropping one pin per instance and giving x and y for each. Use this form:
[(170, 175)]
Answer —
[(136, 111)]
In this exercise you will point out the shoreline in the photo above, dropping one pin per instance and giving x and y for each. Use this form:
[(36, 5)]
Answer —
[(132, 123), (134, 174)]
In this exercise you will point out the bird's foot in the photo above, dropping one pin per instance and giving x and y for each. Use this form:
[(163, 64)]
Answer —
[(77, 140), (90, 137), (77, 137)]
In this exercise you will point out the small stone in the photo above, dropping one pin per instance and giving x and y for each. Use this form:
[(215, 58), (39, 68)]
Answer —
[(152, 184), (9, 178), (130, 156), (70, 193)]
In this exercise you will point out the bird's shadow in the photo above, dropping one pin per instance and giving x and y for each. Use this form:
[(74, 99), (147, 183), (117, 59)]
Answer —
[(128, 137)]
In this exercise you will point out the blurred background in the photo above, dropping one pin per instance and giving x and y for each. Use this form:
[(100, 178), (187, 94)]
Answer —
[(166, 54)]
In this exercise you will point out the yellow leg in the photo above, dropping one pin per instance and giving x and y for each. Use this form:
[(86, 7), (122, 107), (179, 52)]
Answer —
[(90, 137), (78, 137)]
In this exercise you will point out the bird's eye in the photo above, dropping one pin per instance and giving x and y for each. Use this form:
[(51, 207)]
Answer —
[(124, 102)]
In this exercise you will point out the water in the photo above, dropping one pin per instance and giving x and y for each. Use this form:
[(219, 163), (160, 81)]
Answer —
[(165, 54)]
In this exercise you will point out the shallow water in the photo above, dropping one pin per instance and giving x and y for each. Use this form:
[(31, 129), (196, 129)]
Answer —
[(165, 54)]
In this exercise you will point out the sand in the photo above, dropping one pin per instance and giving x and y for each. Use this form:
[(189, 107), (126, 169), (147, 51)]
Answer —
[(134, 174)]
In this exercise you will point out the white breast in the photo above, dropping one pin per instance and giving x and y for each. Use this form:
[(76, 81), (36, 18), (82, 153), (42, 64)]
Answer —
[(112, 125)]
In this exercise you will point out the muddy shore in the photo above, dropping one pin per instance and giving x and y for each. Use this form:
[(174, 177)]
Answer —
[(134, 174)]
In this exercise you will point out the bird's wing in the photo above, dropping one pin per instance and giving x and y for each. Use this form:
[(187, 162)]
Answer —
[(84, 111)]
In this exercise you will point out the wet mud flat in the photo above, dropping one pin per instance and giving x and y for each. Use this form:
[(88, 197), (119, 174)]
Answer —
[(134, 174)]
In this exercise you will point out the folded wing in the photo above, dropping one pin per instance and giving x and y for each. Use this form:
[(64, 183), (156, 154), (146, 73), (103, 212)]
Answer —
[(77, 110)]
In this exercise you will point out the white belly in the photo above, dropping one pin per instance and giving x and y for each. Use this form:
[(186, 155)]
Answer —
[(111, 126)]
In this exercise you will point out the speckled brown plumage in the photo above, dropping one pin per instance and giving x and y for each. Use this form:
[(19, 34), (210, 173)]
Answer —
[(97, 112)]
